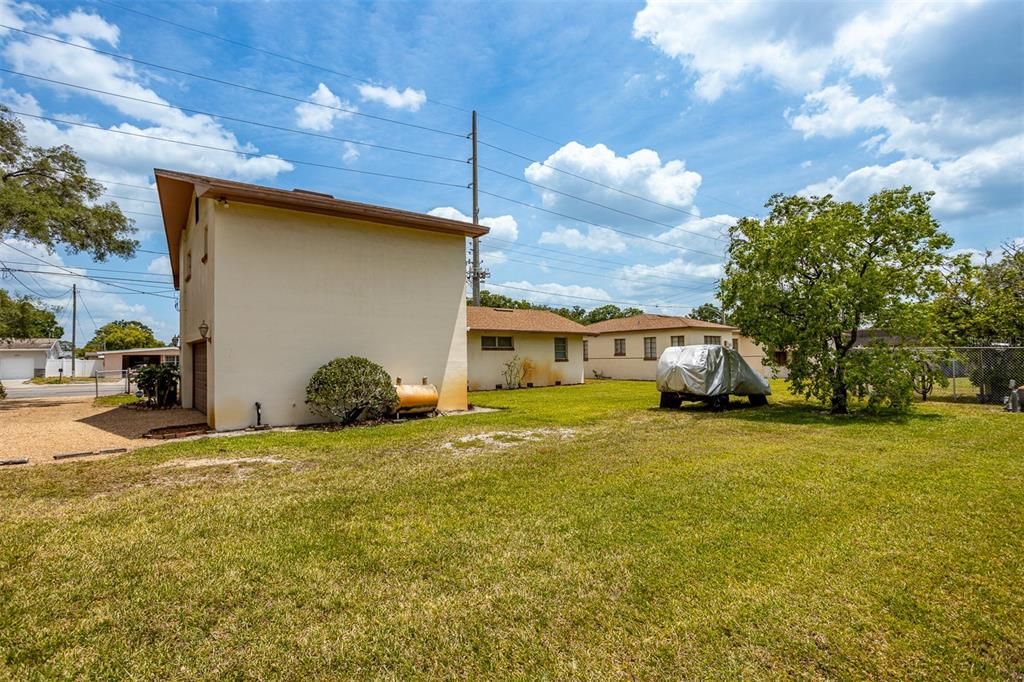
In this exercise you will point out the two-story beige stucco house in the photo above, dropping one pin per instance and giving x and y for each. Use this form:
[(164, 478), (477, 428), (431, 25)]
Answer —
[(629, 347), (274, 283), (549, 346)]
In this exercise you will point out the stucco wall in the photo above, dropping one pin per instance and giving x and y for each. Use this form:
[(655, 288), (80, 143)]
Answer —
[(486, 366), (196, 293), (295, 290), (632, 365)]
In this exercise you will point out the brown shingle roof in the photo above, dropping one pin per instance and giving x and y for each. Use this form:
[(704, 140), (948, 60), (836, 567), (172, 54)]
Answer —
[(27, 344), (515, 320), (646, 321), (175, 190)]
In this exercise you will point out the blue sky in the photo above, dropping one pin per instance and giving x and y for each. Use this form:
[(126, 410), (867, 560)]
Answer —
[(697, 112)]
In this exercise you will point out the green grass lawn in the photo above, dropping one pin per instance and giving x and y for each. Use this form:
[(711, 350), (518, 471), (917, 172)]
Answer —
[(579, 533)]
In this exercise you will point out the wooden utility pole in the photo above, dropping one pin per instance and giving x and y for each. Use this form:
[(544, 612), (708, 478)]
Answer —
[(476, 221), (74, 326)]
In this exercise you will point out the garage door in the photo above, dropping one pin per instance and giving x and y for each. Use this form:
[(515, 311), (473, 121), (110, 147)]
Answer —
[(17, 368), (199, 376)]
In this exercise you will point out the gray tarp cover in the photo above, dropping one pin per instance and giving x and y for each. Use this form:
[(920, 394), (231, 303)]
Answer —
[(708, 370)]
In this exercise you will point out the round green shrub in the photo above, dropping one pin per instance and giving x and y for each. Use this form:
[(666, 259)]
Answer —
[(350, 390)]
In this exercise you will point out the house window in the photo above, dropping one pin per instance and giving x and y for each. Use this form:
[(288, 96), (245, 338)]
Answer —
[(197, 210), (188, 266), (650, 348), (496, 343), (206, 242), (678, 340), (713, 340), (586, 350), (561, 349), (620, 347)]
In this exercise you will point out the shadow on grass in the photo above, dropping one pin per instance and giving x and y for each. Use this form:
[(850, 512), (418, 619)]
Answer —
[(798, 414)]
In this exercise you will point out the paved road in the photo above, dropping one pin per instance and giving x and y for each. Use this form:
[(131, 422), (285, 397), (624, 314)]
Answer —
[(17, 390)]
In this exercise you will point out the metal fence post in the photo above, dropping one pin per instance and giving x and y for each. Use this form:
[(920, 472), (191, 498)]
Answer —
[(954, 378)]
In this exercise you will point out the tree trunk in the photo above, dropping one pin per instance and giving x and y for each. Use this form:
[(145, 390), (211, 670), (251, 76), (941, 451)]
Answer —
[(839, 392)]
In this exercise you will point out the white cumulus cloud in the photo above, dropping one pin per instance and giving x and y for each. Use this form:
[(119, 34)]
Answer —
[(322, 110), (597, 239), (503, 226), (390, 96)]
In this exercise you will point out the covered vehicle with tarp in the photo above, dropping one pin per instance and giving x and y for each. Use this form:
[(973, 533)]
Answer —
[(708, 374)]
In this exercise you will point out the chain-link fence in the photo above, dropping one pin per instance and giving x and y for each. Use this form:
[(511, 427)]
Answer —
[(982, 374)]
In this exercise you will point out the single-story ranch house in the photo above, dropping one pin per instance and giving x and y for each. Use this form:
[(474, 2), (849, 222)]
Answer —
[(275, 283), (26, 358), (549, 346), (116, 360), (629, 347)]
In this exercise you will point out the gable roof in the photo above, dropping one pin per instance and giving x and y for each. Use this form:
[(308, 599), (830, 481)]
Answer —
[(647, 321), (479, 318), (176, 190), (27, 344)]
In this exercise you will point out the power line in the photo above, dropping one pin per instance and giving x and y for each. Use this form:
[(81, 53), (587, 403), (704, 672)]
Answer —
[(249, 88), (104, 281), (101, 276), (123, 184), (141, 201), (71, 273), (314, 66), (238, 152), (95, 269), (702, 287), (607, 227), (489, 238), (607, 186), (262, 50), (610, 208), (5, 268), (587, 298), (95, 327), (235, 119)]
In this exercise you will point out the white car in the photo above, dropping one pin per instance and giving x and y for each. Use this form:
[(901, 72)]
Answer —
[(708, 374)]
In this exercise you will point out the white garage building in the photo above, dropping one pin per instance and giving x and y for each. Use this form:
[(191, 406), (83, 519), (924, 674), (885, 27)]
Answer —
[(26, 358)]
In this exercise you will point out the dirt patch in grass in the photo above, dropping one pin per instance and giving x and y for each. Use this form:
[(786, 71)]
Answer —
[(503, 440), (217, 461)]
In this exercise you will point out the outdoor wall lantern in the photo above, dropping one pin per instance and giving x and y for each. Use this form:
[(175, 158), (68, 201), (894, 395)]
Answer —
[(204, 330)]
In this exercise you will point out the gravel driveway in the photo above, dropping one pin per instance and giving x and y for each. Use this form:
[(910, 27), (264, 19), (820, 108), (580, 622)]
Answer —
[(39, 428)]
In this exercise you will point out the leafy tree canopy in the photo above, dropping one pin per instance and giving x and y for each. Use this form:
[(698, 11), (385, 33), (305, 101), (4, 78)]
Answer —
[(985, 304), (707, 312), (815, 271), (47, 198), (122, 335), (23, 318), (576, 313)]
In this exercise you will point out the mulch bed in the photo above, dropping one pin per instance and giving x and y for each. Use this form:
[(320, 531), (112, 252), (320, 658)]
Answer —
[(180, 431)]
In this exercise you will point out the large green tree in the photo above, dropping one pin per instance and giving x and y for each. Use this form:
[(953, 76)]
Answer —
[(576, 313), (815, 271), (47, 198), (707, 312), (23, 318), (122, 335), (984, 304)]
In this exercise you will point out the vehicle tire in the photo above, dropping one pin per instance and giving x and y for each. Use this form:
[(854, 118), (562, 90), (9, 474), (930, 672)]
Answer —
[(671, 401), (758, 400), (719, 403)]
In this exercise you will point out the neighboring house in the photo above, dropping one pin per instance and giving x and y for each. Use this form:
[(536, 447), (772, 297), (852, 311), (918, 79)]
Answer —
[(116, 360), (275, 283), (629, 347), (550, 347), (26, 358)]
